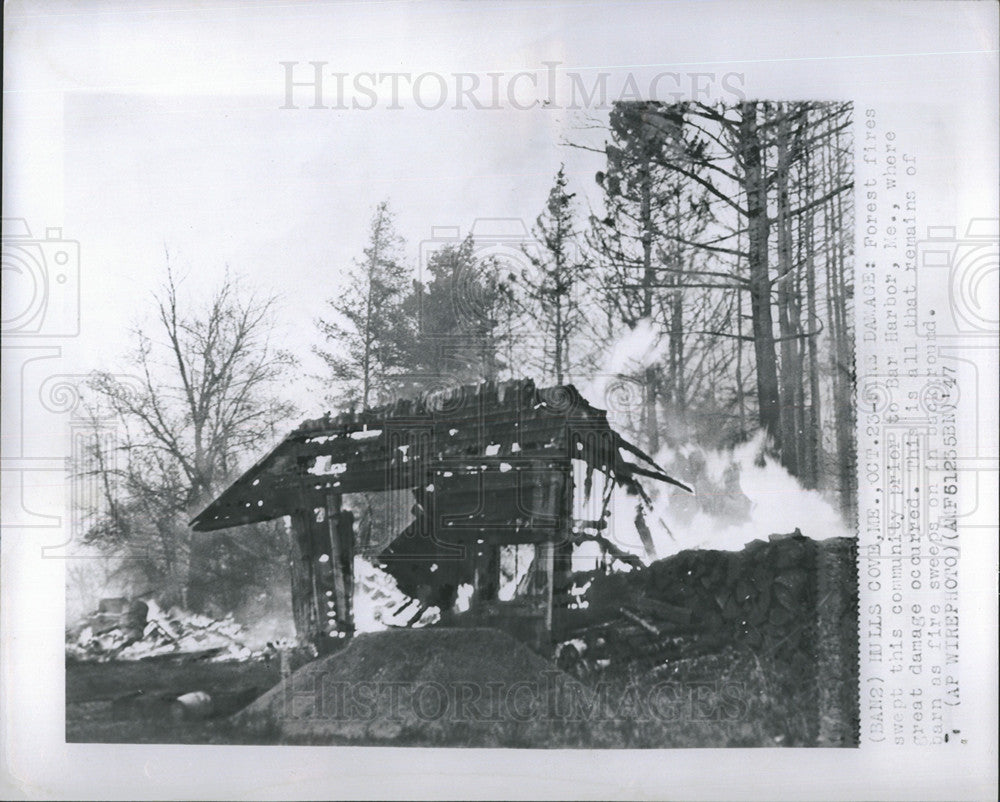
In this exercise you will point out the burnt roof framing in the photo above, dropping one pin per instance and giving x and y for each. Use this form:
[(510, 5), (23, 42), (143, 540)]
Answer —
[(492, 431)]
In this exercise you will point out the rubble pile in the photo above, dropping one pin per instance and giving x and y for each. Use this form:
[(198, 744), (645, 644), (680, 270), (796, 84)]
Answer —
[(764, 595), (786, 607), (772, 597), (137, 630)]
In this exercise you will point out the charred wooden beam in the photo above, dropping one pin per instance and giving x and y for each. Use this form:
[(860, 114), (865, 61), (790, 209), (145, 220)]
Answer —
[(467, 431), (341, 554), (301, 563)]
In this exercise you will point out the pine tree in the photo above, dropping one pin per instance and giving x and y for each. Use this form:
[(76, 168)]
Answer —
[(458, 308), (370, 329), (553, 289)]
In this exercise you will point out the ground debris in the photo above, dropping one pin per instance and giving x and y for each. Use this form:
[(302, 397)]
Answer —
[(143, 631), (762, 598)]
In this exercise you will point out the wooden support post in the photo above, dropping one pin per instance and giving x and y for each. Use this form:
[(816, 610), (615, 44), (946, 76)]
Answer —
[(477, 569), (550, 575), (318, 606), (554, 556), (307, 624), (562, 548), (342, 573), (345, 530), (486, 573)]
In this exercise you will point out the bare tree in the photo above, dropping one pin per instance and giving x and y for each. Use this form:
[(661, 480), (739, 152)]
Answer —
[(205, 402)]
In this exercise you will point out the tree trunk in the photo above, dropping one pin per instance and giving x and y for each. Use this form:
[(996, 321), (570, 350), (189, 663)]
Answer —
[(789, 439), (678, 394), (845, 405), (814, 440), (769, 410), (648, 282), (798, 366)]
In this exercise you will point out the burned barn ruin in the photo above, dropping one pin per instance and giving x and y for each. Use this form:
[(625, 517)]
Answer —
[(489, 467)]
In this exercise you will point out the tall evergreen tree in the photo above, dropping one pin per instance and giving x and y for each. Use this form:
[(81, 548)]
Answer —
[(553, 290), (370, 331), (458, 307)]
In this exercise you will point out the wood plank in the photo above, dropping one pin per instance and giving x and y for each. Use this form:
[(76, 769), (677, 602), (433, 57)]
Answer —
[(668, 612)]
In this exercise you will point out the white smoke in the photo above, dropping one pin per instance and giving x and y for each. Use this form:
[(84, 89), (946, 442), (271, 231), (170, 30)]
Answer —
[(636, 349), (741, 494)]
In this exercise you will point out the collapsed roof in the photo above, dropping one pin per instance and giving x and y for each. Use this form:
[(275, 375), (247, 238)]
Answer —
[(463, 440)]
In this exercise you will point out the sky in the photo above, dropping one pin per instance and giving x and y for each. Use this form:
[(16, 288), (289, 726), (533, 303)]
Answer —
[(146, 131), (283, 197), (143, 132)]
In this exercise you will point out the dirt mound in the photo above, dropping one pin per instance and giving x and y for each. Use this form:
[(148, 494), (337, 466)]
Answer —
[(429, 686)]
